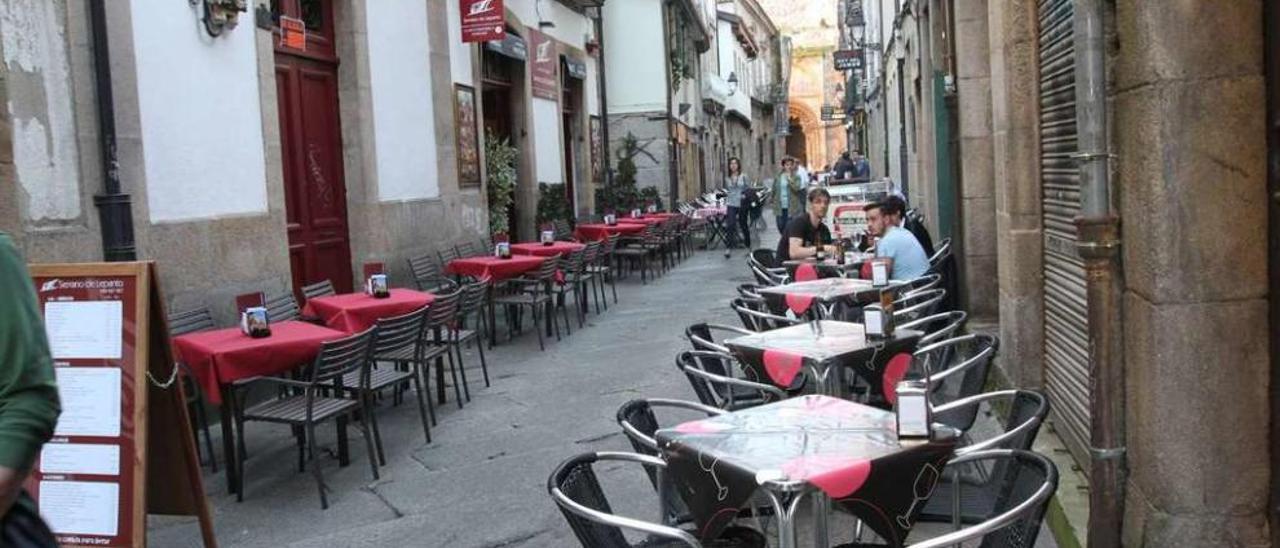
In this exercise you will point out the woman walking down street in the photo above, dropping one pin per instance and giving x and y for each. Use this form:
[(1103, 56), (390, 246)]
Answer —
[(737, 214)]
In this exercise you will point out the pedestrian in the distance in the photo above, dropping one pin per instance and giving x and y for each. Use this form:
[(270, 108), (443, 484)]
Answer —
[(788, 192), (737, 213), (28, 400)]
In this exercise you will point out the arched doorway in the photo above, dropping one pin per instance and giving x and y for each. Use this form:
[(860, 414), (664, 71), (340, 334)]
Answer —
[(805, 141), (797, 141)]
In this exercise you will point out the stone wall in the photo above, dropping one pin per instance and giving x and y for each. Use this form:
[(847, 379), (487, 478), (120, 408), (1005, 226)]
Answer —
[(1190, 140), (1014, 115), (653, 164), (977, 178)]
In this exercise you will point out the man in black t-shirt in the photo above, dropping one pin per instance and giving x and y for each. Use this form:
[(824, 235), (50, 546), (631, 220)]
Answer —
[(804, 232)]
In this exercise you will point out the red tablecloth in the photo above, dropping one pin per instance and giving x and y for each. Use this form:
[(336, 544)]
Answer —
[(493, 268), (540, 250), (590, 232), (663, 216), (222, 356), (356, 312), (641, 221)]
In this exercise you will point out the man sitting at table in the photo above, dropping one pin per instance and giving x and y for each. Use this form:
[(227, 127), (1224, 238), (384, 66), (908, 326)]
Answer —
[(805, 232), (895, 243)]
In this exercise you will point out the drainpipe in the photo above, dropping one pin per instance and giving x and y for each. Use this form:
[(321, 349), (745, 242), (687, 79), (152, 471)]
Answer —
[(1099, 246), (604, 100), (115, 210), (672, 168)]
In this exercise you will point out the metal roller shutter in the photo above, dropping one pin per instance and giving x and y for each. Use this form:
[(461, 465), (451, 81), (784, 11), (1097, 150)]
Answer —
[(1066, 310)]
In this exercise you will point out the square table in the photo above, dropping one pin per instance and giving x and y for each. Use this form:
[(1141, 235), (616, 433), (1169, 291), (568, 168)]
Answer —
[(827, 293), (652, 221), (600, 231), (220, 357), (494, 269), (832, 449), (824, 348), (540, 249), (356, 312)]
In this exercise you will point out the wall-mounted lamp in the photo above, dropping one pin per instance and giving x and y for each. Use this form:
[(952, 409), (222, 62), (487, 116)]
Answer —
[(220, 15), (733, 83)]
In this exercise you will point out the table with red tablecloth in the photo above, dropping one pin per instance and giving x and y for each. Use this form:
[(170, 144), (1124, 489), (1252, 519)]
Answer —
[(596, 232), (647, 221), (356, 312), (488, 267), (663, 216), (543, 250), (222, 356)]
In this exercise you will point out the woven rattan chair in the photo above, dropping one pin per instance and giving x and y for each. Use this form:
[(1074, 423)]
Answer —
[(711, 374), (640, 424)]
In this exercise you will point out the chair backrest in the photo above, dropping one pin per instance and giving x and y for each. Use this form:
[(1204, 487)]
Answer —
[(427, 273), (282, 307), (591, 253), (318, 289), (398, 332), (576, 489), (940, 254), (467, 249), (573, 264), (766, 257), (957, 368), (928, 281), (1026, 481), (937, 327), (472, 298), (562, 230), (190, 321), (711, 375), (443, 310), (640, 424), (703, 336), (610, 244), (344, 355), (758, 320), (750, 291), (548, 269), (916, 305), (767, 278), (447, 254)]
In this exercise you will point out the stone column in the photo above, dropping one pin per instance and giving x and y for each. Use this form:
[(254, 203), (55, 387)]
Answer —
[(1015, 140), (977, 179), (1191, 144)]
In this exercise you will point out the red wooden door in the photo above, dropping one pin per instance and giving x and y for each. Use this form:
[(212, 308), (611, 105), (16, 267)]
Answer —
[(311, 141)]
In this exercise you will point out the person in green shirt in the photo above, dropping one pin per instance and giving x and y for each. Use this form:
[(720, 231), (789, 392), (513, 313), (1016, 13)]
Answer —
[(788, 190), (29, 404)]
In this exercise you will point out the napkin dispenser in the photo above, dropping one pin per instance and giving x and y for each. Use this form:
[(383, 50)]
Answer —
[(376, 286), (635, 213), (254, 322), (653, 208), (548, 237), (502, 250), (879, 272), (610, 219), (912, 409), (877, 322)]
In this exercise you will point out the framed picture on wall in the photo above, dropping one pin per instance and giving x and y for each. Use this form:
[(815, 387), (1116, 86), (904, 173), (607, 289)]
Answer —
[(464, 116), (597, 151)]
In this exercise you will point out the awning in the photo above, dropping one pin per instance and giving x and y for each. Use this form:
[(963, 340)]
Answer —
[(573, 67), (509, 46)]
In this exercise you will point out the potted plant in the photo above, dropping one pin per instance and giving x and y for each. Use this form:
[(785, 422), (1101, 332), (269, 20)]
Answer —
[(500, 164)]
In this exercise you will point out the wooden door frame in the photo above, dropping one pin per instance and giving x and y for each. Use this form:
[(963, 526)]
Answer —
[(1271, 56)]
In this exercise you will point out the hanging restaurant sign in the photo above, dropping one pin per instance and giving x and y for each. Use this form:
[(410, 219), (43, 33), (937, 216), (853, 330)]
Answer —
[(848, 59), (574, 68), (546, 84), (831, 113), (293, 33), (482, 20)]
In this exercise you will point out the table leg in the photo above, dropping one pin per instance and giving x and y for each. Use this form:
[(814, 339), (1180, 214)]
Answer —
[(228, 437), (344, 451), (821, 510), (785, 507)]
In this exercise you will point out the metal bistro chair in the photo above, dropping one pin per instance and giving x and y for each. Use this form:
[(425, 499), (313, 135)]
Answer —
[(282, 307), (447, 254), (968, 493), (563, 232), (428, 275), (603, 267), (940, 255), (576, 489), (1026, 483), (955, 369), (766, 258), (923, 283), (468, 249), (182, 323), (639, 251), (592, 279), (318, 289), (573, 283), (315, 404), (703, 336), (442, 317), (535, 294), (916, 305), (398, 340), (711, 376), (640, 424)]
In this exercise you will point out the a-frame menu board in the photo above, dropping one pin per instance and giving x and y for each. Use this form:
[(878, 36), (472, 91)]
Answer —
[(123, 447)]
